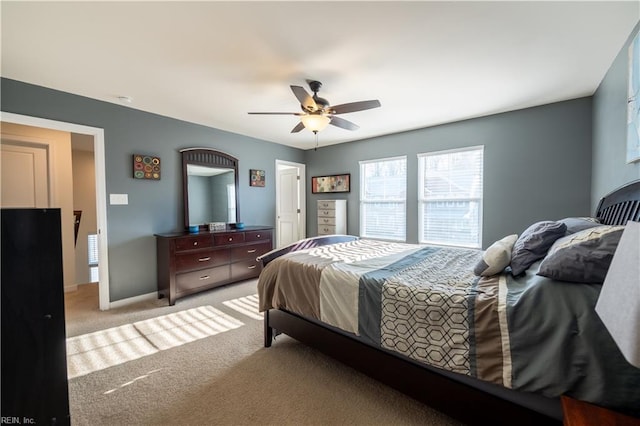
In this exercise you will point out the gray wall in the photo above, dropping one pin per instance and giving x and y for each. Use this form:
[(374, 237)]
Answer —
[(610, 169), (154, 206), (537, 166), (540, 163)]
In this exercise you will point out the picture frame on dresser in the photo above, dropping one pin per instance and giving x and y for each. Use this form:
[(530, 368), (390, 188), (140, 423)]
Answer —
[(331, 183)]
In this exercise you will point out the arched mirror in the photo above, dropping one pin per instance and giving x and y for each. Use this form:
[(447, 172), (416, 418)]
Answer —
[(210, 187)]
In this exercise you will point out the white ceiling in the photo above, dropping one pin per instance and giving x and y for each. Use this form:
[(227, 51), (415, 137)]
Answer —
[(212, 62)]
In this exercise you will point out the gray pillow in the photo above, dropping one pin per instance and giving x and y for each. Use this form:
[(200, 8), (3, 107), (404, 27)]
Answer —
[(583, 257), (533, 244), (575, 224), (496, 257)]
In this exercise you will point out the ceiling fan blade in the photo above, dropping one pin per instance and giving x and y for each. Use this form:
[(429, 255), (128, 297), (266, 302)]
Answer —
[(299, 127), (354, 106), (305, 99), (276, 113), (345, 124)]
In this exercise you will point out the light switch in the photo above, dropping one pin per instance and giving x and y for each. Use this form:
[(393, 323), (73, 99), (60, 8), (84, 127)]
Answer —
[(120, 199)]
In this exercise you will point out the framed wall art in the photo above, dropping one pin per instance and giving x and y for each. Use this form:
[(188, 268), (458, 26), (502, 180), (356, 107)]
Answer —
[(146, 167), (331, 183), (256, 177)]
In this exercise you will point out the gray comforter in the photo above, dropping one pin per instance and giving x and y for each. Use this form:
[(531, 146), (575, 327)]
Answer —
[(531, 333)]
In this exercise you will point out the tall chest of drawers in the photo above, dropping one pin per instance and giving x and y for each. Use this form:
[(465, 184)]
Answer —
[(332, 217), (190, 263)]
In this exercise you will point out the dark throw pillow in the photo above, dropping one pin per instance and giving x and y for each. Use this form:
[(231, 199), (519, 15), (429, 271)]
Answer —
[(576, 224), (534, 243), (583, 257)]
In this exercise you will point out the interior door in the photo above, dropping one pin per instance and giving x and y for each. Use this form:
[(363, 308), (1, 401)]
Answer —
[(288, 226), (25, 177)]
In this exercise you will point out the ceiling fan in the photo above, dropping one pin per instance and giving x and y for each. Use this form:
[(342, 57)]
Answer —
[(317, 113)]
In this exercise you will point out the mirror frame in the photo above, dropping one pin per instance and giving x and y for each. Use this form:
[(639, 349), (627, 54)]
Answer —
[(211, 158)]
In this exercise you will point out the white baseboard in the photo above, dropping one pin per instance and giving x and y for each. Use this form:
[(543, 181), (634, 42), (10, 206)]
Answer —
[(124, 302)]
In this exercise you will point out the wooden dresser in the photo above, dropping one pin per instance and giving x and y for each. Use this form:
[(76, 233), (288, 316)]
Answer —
[(190, 263), (332, 217)]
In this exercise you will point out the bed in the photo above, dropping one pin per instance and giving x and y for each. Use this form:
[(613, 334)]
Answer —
[(486, 336)]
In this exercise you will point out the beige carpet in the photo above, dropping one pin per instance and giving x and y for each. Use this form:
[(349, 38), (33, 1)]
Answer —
[(224, 378)]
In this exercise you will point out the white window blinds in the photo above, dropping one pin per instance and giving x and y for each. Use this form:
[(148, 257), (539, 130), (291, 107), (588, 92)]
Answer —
[(92, 240), (450, 197), (383, 198)]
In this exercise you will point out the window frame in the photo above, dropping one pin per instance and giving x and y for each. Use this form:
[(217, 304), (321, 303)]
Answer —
[(422, 201), (363, 201)]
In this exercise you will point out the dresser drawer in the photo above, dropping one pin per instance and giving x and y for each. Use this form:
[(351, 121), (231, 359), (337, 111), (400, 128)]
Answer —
[(245, 269), (326, 221), (195, 242), (326, 204), (250, 236), (202, 278), (230, 238), (326, 213), (191, 261), (250, 251), (326, 229)]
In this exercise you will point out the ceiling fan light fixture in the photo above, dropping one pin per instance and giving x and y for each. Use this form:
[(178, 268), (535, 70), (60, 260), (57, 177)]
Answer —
[(317, 113), (315, 122)]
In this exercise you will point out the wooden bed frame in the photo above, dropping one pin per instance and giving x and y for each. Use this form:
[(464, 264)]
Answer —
[(621, 205), (464, 398)]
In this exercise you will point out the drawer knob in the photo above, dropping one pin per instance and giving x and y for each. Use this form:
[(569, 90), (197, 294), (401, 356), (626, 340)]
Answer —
[(204, 259), (195, 243), (251, 251), (251, 267), (204, 277), (258, 235), (230, 238)]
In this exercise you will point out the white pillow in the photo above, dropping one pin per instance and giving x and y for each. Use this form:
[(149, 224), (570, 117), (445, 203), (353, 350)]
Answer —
[(496, 257)]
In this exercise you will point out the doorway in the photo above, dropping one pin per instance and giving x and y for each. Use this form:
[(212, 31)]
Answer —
[(290, 203), (100, 187)]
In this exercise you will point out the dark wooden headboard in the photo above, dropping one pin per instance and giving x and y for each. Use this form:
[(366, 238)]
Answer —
[(621, 205)]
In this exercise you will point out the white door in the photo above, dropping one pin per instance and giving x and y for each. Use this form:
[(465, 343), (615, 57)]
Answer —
[(289, 205), (25, 178)]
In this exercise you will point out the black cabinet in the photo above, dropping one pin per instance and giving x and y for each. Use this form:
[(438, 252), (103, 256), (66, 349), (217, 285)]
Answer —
[(34, 365)]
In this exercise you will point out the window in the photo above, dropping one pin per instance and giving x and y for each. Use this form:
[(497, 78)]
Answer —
[(450, 197), (383, 198), (93, 258)]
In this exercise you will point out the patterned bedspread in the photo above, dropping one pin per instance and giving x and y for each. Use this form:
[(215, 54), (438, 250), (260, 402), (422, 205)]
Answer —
[(531, 333)]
